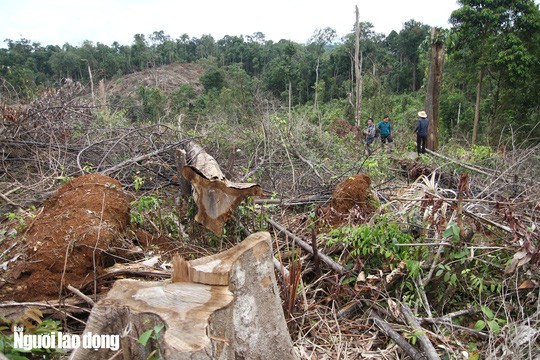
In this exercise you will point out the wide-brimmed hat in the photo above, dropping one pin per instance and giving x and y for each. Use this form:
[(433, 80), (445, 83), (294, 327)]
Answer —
[(422, 114)]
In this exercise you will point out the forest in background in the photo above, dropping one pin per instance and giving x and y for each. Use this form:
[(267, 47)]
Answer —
[(453, 234), (492, 56)]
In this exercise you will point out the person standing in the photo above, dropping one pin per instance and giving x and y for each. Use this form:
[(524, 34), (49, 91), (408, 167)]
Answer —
[(385, 129), (370, 135), (421, 132)]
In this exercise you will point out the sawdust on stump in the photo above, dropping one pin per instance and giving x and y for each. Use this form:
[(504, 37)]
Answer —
[(68, 241), (351, 202)]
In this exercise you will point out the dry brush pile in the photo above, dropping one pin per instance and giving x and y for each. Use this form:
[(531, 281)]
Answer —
[(462, 253)]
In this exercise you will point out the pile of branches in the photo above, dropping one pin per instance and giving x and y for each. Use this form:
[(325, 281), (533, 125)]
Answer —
[(61, 135), (340, 310)]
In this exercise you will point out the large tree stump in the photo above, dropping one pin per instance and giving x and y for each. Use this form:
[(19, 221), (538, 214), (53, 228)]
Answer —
[(215, 196), (230, 310)]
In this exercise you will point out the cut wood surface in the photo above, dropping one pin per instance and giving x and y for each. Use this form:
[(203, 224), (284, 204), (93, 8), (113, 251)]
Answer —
[(233, 314), (215, 196)]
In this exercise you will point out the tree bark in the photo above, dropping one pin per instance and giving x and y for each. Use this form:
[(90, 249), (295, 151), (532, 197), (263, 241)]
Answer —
[(433, 92), (394, 335), (316, 105), (290, 104), (228, 308), (185, 186), (306, 247), (429, 350), (357, 70), (215, 196), (477, 106)]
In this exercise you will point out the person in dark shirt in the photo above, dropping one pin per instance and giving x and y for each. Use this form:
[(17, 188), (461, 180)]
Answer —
[(421, 132)]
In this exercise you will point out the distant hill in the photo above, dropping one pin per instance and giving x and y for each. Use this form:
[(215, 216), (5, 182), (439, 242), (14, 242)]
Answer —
[(167, 78)]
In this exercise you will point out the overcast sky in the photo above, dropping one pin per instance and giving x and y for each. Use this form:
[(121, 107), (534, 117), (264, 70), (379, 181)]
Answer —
[(56, 22)]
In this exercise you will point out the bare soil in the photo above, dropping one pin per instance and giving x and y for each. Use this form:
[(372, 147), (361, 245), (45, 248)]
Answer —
[(351, 202), (67, 243)]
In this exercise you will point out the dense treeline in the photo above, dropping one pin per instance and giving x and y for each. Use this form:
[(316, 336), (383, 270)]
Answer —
[(492, 64)]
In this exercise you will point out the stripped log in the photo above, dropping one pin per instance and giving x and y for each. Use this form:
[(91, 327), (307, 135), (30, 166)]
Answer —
[(229, 309), (304, 245), (419, 332), (215, 196), (394, 335)]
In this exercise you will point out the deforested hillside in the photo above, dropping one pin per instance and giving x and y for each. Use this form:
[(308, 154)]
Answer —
[(245, 198)]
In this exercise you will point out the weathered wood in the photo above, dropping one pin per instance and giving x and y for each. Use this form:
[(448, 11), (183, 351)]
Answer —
[(357, 70), (285, 274), (185, 187), (229, 310), (81, 295), (433, 89), (215, 196), (419, 332), (131, 161), (394, 335), (304, 245), (466, 166)]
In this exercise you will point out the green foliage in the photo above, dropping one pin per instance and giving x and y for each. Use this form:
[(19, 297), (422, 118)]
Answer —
[(32, 322), (88, 168), (152, 334), (153, 103), (104, 119), (480, 153), (138, 182), (490, 321), (452, 230), (142, 207), (64, 179), (20, 219), (213, 79), (377, 166), (377, 244), (248, 213), (182, 99), (501, 38)]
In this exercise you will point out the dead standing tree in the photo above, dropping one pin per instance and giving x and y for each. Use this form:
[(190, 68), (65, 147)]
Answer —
[(433, 92), (357, 69)]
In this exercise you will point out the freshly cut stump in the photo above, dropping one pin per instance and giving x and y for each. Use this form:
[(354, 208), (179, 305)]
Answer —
[(230, 309)]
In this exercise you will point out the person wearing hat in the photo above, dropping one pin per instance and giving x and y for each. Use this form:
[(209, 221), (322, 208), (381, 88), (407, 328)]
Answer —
[(421, 132)]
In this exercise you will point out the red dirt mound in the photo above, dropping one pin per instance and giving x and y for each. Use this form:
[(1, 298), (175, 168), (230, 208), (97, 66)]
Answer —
[(351, 202), (69, 240)]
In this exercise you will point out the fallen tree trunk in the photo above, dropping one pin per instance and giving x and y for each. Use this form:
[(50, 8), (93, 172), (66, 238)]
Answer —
[(230, 309), (215, 196)]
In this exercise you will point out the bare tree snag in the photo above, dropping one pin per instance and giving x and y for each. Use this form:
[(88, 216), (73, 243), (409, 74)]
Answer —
[(477, 106), (215, 196), (242, 319), (357, 69), (433, 91)]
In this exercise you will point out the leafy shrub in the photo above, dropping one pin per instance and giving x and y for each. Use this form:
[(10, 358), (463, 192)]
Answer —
[(33, 323), (377, 245)]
